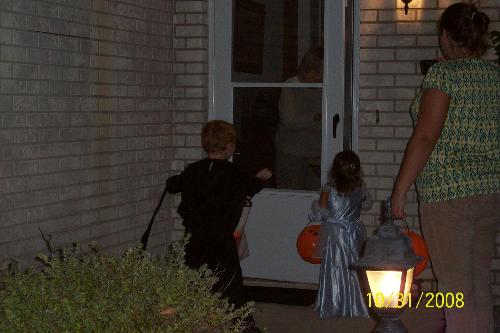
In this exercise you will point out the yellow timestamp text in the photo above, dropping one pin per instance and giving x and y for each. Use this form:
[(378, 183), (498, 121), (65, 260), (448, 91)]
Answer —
[(425, 299)]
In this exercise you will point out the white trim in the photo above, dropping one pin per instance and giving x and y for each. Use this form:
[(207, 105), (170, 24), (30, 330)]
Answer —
[(356, 21), (211, 47), (220, 94), (333, 78)]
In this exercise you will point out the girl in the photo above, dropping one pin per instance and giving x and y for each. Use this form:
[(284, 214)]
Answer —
[(341, 238)]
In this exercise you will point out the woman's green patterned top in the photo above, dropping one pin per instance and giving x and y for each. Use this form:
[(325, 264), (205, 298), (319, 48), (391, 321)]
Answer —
[(466, 158)]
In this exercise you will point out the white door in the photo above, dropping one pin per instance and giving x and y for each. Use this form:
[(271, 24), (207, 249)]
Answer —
[(284, 73)]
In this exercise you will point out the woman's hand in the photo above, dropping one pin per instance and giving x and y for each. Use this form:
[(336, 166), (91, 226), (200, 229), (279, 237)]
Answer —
[(398, 202)]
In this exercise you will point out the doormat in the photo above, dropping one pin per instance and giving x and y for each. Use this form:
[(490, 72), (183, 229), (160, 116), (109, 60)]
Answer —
[(288, 296)]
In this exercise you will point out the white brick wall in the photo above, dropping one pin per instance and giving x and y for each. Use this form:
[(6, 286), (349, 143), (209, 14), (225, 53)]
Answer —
[(86, 106)]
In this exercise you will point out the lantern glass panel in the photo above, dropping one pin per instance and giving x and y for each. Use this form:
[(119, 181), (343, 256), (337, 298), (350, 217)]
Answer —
[(387, 288)]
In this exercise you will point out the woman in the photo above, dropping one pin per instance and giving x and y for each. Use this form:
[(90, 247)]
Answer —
[(454, 156), (298, 139)]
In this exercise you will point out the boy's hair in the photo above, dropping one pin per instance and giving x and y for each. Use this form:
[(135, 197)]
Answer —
[(346, 172), (216, 134)]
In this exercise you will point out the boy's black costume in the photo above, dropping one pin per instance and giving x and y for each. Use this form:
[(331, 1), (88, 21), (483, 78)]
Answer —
[(213, 193)]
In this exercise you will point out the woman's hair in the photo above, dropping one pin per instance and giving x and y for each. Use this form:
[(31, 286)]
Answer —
[(312, 60), (466, 26), (346, 173), (216, 134)]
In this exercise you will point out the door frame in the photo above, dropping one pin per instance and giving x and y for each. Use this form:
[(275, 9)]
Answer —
[(220, 87)]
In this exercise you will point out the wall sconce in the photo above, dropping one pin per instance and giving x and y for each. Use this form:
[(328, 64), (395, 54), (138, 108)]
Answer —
[(406, 2)]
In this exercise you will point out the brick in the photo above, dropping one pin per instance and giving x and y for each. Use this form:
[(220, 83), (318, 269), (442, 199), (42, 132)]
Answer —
[(412, 28), (396, 93), (368, 68), (377, 29), (403, 132), (191, 31), (427, 41), (367, 41), (190, 80), (408, 80), (376, 157), (396, 41), (415, 54), (396, 68), (396, 15), (376, 4), (379, 182), (13, 53), (191, 55), (395, 119), (376, 54), (376, 132), (376, 80), (387, 170), (368, 16), (429, 15), (189, 6), (391, 144)]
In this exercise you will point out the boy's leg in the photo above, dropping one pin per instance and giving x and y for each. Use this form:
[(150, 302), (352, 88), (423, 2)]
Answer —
[(230, 282)]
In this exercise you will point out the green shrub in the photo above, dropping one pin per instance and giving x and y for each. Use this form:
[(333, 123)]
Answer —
[(131, 293)]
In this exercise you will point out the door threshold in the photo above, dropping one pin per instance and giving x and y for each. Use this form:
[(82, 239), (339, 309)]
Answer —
[(255, 282)]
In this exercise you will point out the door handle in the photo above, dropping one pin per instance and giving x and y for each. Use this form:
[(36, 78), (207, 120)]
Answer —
[(335, 122)]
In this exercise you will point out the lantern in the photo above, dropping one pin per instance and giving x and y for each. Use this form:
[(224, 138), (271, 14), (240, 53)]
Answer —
[(307, 242), (388, 263)]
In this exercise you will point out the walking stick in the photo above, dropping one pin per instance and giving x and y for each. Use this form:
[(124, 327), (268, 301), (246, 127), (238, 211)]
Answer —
[(145, 236)]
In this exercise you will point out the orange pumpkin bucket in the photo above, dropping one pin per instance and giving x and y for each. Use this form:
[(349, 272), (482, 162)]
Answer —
[(420, 249), (307, 242)]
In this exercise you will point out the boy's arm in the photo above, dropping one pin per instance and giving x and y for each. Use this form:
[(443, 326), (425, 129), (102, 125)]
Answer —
[(174, 184), (253, 184)]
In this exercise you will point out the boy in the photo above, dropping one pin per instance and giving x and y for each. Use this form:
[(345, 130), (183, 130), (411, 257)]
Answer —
[(212, 198)]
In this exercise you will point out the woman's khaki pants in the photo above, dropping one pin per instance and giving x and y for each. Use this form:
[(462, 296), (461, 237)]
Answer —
[(460, 235)]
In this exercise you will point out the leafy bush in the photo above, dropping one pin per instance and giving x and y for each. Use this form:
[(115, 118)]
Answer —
[(131, 293)]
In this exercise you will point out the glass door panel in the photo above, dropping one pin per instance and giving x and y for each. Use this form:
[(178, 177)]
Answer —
[(270, 37), (280, 128)]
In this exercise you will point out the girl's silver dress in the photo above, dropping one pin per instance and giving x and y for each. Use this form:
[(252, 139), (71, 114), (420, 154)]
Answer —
[(341, 237)]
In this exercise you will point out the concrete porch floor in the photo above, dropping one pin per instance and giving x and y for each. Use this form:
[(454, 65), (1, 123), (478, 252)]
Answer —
[(278, 318)]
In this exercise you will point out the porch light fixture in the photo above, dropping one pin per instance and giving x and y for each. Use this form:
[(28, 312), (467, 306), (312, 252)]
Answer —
[(406, 2), (388, 263)]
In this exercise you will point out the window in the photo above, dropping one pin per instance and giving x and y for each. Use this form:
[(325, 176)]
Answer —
[(282, 72)]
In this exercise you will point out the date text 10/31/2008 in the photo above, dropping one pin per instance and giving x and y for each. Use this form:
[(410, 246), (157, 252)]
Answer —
[(425, 299)]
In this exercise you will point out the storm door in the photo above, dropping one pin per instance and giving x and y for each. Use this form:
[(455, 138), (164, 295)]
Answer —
[(284, 73)]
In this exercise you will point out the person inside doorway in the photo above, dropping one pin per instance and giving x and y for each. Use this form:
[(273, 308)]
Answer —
[(298, 139)]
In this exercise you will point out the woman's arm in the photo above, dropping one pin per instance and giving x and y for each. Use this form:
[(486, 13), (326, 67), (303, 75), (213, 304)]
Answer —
[(430, 122)]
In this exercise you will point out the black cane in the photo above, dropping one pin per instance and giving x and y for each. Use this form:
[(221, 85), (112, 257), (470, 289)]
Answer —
[(145, 236)]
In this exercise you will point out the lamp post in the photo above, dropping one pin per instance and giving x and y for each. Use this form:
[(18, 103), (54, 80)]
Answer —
[(388, 263)]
